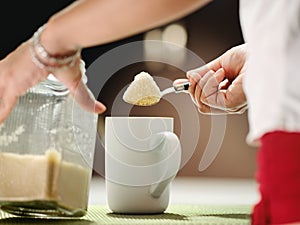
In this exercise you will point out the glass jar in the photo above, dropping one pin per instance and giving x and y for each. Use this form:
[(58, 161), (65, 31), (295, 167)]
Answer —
[(46, 153)]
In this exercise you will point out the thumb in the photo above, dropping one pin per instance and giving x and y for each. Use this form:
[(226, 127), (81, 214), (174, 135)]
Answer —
[(180, 81)]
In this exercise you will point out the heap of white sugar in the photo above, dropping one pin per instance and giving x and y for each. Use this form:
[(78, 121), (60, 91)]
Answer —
[(143, 91)]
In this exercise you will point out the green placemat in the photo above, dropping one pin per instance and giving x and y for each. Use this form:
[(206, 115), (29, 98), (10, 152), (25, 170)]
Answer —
[(175, 214)]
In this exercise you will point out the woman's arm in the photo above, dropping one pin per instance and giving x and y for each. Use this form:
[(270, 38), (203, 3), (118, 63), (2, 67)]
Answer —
[(88, 23), (84, 23)]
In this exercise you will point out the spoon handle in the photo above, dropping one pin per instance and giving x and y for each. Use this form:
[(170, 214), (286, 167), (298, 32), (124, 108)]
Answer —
[(181, 87), (177, 88)]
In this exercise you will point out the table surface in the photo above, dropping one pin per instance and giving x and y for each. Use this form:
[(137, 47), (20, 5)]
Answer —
[(194, 201), (195, 190)]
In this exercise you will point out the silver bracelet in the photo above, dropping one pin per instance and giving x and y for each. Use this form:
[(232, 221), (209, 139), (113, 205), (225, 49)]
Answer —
[(44, 60)]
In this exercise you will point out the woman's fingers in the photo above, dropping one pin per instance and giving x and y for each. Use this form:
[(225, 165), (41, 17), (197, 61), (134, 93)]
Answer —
[(7, 103), (230, 99), (72, 78), (212, 96), (197, 91), (86, 100)]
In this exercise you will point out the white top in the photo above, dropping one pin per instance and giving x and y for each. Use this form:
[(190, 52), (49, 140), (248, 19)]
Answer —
[(272, 83)]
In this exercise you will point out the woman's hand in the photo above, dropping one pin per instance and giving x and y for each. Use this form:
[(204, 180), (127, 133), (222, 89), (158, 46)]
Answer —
[(217, 86), (18, 73)]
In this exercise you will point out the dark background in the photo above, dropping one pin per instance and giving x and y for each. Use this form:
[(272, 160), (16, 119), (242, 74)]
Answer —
[(211, 31), (217, 23)]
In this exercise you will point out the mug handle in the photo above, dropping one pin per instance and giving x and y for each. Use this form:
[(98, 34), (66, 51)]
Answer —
[(170, 143)]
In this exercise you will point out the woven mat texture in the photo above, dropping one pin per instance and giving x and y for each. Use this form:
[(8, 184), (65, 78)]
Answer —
[(175, 214)]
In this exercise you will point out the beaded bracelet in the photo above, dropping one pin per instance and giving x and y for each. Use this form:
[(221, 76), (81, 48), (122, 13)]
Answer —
[(44, 60)]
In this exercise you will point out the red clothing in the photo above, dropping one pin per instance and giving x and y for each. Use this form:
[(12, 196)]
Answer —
[(279, 179)]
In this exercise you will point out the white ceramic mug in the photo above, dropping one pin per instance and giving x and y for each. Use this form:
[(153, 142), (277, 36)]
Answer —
[(142, 157)]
